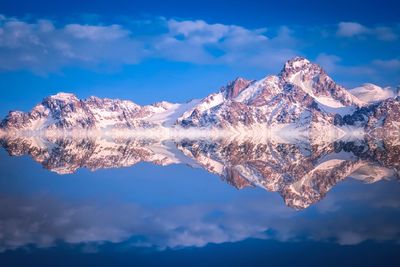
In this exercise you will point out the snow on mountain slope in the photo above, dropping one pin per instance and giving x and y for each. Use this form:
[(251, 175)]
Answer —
[(334, 107), (206, 103), (315, 82), (371, 93), (109, 113), (372, 173), (169, 116), (269, 85), (65, 111)]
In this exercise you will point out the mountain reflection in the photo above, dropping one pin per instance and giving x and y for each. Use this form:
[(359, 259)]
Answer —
[(302, 173)]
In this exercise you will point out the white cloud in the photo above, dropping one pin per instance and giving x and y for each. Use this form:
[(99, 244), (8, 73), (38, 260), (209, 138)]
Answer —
[(198, 31), (376, 71), (391, 64), (385, 34), (350, 29), (200, 42), (96, 33), (354, 29), (41, 47)]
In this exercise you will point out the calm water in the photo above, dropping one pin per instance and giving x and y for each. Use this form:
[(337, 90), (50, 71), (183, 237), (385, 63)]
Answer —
[(117, 201)]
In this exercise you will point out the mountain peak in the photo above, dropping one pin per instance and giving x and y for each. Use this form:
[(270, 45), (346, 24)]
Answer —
[(239, 79), (297, 62), (234, 88), (314, 81), (64, 97), (302, 66)]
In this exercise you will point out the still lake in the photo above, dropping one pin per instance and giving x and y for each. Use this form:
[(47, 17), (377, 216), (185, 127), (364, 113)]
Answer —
[(117, 201)]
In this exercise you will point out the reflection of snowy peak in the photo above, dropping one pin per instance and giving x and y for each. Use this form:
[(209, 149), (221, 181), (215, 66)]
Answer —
[(301, 97), (67, 155), (301, 173)]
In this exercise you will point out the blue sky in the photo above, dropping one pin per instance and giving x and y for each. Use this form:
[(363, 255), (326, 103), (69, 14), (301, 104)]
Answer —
[(177, 50)]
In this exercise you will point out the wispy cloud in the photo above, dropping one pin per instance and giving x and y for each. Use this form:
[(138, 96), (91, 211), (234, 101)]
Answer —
[(354, 29), (200, 42), (96, 33), (350, 29), (377, 70), (42, 47)]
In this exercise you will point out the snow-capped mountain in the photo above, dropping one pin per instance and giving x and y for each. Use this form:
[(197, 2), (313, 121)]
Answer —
[(66, 112), (302, 173), (301, 97)]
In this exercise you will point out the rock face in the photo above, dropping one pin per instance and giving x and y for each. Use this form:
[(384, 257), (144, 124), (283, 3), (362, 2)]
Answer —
[(301, 97), (381, 118), (234, 88), (302, 173)]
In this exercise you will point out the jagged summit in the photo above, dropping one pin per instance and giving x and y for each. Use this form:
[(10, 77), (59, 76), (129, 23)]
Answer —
[(297, 63), (300, 66), (65, 97), (235, 87)]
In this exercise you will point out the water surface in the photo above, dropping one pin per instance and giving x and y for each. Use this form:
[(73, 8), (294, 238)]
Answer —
[(120, 201)]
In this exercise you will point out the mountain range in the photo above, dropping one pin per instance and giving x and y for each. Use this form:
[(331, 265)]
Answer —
[(301, 97)]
